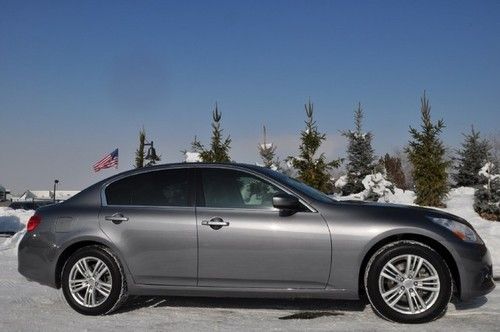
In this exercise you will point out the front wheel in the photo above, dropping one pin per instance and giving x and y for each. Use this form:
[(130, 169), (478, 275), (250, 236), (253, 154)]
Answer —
[(93, 282), (408, 282)]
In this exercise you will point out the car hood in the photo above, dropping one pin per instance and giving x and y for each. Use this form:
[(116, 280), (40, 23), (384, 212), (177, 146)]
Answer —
[(390, 209)]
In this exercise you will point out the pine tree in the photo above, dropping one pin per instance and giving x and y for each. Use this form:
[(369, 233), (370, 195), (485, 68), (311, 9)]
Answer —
[(426, 153), (313, 170), (487, 197), (139, 153), (360, 155), (394, 170), (219, 147), (475, 152), (267, 152)]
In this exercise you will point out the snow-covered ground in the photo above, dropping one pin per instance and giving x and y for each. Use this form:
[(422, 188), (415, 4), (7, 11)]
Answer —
[(27, 306)]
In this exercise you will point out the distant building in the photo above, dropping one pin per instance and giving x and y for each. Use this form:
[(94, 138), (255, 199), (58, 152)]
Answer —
[(47, 195), (4, 194)]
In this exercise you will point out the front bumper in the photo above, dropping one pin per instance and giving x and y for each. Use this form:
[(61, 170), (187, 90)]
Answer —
[(476, 270)]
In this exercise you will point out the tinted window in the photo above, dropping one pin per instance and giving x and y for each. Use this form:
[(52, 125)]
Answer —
[(234, 189), (297, 185), (157, 188)]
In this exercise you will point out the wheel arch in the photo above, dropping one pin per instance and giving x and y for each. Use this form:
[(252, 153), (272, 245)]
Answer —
[(70, 250), (434, 244)]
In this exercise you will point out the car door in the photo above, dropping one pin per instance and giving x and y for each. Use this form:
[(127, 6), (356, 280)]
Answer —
[(245, 243), (150, 217)]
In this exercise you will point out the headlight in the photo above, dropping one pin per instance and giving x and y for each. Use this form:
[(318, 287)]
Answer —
[(461, 231)]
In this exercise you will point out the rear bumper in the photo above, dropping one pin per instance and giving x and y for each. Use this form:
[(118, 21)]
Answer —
[(476, 271), (36, 260)]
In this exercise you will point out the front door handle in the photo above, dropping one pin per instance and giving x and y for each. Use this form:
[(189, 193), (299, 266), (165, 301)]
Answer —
[(116, 218), (215, 223)]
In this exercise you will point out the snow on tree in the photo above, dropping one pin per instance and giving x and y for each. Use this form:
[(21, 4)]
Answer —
[(219, 147), (341, 182), (313, 169), (471, 157), (376, 187), (426, 153), (360, 155), (495, 144), (192, 157), (487, 198), (267, 152)]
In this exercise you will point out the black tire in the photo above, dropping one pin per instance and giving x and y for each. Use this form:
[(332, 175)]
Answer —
[(118, 293), (393, 251)]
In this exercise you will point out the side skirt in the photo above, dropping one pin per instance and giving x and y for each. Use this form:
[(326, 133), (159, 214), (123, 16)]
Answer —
[(152, 290)]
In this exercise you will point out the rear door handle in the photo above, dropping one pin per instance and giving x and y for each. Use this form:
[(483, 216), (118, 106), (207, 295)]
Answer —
[(215, 223), (117, 217)]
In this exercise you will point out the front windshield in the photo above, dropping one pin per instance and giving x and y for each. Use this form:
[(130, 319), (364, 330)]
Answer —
[(297, 185)]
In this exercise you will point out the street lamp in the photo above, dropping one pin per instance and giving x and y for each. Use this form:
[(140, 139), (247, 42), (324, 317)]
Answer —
[(151, 151), (55, 185)]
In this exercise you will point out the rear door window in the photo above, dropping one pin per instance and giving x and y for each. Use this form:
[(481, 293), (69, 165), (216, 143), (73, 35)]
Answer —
[(155, 188)]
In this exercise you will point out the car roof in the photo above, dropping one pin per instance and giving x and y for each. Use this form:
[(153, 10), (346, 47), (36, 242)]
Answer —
[(185, 165), (91, 194)]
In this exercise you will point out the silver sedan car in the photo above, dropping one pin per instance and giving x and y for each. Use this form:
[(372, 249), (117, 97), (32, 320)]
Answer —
[(246, 231)]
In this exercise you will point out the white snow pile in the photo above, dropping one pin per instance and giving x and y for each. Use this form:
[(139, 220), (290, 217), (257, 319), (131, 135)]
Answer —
[(192, 157), (13, 221)]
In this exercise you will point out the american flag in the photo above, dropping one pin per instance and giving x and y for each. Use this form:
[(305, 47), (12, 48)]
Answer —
[(109, 161)]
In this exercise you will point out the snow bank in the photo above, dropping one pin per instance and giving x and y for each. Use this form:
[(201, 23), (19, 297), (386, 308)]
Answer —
[(13, 221)]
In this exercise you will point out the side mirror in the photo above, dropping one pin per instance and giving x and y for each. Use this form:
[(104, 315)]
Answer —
[(286, 202)]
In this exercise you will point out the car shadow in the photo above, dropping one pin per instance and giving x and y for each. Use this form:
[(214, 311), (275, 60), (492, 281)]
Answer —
[(307, 308), (470, 304)]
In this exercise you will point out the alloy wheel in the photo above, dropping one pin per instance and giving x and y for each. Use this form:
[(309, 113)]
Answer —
[(90, 282), (409, 284)]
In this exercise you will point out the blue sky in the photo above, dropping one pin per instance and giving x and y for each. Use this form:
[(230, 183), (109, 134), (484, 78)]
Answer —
[(79, 78)]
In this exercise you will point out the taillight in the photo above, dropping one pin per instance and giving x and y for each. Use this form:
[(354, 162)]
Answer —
[(33, 223)]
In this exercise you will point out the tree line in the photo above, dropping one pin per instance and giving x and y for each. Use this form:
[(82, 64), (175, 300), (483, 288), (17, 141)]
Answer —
[(474, 164)]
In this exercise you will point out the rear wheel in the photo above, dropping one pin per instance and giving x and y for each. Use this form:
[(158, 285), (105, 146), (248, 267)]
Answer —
[(93, 282), (408, 282)]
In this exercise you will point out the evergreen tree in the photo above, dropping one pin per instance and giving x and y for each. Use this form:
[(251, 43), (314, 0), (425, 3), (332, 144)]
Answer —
[(394, 170), (267, 152), (219, 147), (360, 155), (139, 153), (475, 152), (313, 170), (487, 197), (426, 153)]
